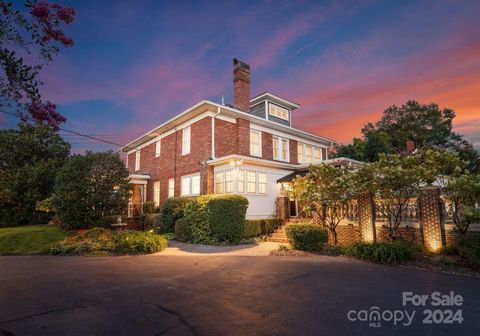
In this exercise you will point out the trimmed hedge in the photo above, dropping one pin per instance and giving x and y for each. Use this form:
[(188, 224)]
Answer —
[(258, 227), (383, 253), (153, 221), (173, 210), (150, 208), (216, 218), (469, 248), (306, 237), (183, 232)]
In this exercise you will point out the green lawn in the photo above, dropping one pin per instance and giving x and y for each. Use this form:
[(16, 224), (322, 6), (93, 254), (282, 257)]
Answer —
[(32, 239)]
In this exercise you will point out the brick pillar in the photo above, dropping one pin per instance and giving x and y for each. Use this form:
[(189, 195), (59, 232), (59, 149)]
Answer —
[(430, 217), (210, 179), (282, 204), (366, 218)]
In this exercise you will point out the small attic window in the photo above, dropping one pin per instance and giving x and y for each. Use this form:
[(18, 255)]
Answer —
[(278, 111)]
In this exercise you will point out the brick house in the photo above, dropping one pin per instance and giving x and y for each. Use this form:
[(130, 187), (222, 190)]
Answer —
[(244, 148)]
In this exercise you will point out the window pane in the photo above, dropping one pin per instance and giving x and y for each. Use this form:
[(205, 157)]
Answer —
[(317, 155), (275, 148), (251, 182), (284, 149), (255, 143), (309, 156), (185, 186), (171, 187), (262, 183), (278, 111), (186, 141), (137, 160), (241, 181), (157, 148), (229, 181), (219, 183), (156, 193), (301, 158), (196, 185)]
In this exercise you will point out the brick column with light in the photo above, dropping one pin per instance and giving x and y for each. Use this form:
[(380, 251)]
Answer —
[(366, 222), (430, 217), (282, 204)]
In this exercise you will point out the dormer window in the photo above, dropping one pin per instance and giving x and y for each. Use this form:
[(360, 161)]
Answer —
[(278, 111)]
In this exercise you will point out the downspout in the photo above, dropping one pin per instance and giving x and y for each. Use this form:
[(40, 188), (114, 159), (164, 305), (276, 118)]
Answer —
[(213, 131)]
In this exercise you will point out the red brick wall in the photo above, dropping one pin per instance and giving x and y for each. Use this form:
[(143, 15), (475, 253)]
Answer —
[(243, 137), (267, 146), (293, 151), (225, 138)]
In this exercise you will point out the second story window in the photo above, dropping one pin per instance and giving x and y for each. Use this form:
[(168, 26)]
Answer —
[(137, 160), (157, 148), (308, 153), (186, 140), (171, 187), (278, 111), (255, 143), (280, 149)]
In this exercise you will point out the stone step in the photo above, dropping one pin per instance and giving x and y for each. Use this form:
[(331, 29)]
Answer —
[(277, 240)]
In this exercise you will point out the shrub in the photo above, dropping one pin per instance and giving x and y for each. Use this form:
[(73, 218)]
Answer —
[(306, 237), (150, 208), (153, 221), (103, 241), (469, 248), (217, 218), (171, 211), (443, 260), (383, 253), (258, 227), (183, 232)]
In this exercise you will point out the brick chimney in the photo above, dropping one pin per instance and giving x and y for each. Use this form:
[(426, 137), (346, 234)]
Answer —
[(241, 85), (410, 146)]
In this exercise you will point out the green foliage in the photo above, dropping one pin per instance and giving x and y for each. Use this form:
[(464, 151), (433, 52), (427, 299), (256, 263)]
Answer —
[(217, 218), (306, 237), (183, 232), (45, 205), (442, 260), (90, 187), (153, 221), (171, 211), (99, 241), (258, 227), (469, 248), (25, 240), (30, 158), (325, 191), (150, 208), (353, 151), (376, 143), (383, 253)]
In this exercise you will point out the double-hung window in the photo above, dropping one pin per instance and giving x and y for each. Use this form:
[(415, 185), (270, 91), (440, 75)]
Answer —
[(191, 185), (156, 192), (229, 183), (186, 135), (171, 187), (219, 182), (251, 182), (300, 153), (157, 148), (280, 149), (309, 153), (255, 143), (241, 181), (309, 156), (317, 155), (137, 160), (262, 183)]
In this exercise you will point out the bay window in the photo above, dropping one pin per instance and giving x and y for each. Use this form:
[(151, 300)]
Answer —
[(219, 181), (262, 183), (251, 182)]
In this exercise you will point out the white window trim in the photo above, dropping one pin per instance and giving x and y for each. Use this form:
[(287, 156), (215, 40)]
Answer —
[(158, 148), (276, 116), (137, 160), (186, 149), (190, 184), (236, 182), (259, 143), (171, 187), (280, 149), (304, 159)]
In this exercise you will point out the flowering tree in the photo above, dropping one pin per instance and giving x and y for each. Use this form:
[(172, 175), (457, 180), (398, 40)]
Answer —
[(35, 35), (325, 191)]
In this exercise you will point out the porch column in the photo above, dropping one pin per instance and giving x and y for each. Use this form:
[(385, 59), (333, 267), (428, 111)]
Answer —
[(282, 204), (366, 218), (430, 217)]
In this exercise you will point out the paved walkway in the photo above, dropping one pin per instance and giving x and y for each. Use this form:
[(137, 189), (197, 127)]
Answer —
[(183, 249)]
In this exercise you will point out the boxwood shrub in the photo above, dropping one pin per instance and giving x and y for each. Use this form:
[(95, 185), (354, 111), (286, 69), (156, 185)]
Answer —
[(183, 232), (306, 237), (171, 211), (258, 227), (153, 221), (383, 253), (217, 218)]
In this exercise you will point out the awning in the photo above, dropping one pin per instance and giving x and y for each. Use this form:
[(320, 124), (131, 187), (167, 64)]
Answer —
[(291, 176)]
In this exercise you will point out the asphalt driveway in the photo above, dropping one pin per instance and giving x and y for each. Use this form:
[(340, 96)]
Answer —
[(221, 295)]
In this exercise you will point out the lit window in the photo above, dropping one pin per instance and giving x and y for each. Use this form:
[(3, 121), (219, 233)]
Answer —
[(280, 149), (186, 140), (317, 157), (137, 160), (171, 187), (157, 148), (241, 181), (191, 185), (309, 156), (251, 182), (219, 180), (300, 153), (255, 143), (229, 181), (279, 112), (156, 192), (262, 183)]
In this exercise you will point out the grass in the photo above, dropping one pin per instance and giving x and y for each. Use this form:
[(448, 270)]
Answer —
[(27, 240)]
